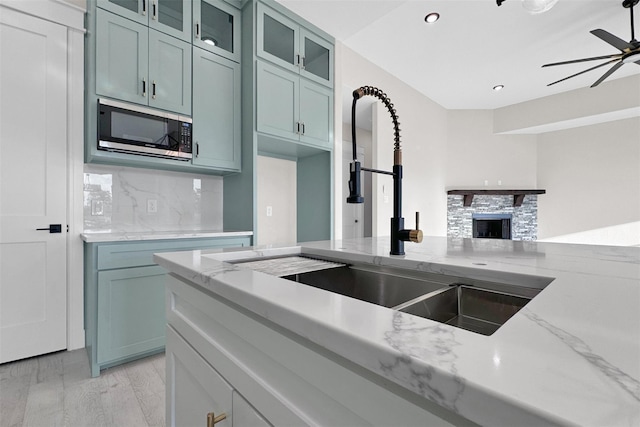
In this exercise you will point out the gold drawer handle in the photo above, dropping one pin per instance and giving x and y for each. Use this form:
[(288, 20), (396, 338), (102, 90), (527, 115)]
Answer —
[(213, 420)]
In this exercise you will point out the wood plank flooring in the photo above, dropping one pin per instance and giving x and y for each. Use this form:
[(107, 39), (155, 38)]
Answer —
[(57, 390)]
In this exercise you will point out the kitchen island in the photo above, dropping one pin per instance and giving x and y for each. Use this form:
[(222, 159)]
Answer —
[(290, 354)]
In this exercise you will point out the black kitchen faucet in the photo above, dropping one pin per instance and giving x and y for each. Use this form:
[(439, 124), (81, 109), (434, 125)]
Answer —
[(399, 234)]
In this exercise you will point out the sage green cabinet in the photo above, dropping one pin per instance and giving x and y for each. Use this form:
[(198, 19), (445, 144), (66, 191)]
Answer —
[(125, 297), (141, 65), (216, 111), (284, 42), (293, 107), (171, 17), (217, 28), (130, 312)]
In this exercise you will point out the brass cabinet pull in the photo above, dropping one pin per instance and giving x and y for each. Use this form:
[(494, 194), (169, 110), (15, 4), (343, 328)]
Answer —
[(213, 420)]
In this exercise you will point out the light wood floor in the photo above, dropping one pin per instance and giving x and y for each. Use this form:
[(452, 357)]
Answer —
[(57, 390)]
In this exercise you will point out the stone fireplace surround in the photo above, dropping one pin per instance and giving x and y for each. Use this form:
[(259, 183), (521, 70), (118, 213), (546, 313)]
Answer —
[(524, 220)]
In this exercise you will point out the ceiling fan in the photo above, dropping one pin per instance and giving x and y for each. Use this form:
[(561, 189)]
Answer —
[(629, 51)]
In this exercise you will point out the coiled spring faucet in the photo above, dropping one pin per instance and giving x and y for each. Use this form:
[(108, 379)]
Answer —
[(399, 234)]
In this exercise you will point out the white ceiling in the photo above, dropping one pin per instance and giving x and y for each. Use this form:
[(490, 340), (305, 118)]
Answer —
[(476, 44)]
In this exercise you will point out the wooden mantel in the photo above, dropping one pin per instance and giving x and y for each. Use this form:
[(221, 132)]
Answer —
[(518, 195)]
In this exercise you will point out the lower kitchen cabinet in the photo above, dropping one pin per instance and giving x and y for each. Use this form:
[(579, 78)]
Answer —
[(125, 297), (130, 312), (195, 391), (216, 348)]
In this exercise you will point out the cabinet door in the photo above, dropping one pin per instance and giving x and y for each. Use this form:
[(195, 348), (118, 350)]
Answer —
[(216, 111), (194, 389), (217, 28), (136, 10), (317, 58), (316, 114), (131, 312), (277, 101), (121, 58), (245, 415), (172, 17), (169, 73), (278, 39)]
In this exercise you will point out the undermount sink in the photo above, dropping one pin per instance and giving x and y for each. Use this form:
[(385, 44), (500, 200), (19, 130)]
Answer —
[(479, 306), (467, 307), (385, 287)]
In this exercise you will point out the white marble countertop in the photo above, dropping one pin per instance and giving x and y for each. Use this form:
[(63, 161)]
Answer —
[(571, 356), (116, 236)]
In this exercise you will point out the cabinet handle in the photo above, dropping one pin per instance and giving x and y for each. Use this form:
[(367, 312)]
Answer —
[(153, 89), (144, 87), (144, 7), (298, 127), (213, 420), (197, 149), (302, 62), (302, 128), (197, 29), (153, 6)]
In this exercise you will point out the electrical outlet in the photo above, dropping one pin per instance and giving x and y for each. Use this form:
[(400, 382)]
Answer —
[(269, 210), (152, 206), (97, 208)]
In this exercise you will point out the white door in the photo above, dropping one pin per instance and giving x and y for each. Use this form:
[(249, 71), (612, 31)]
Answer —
[(33, 185)]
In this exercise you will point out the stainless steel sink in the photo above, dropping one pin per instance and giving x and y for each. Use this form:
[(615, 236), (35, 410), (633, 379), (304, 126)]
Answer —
[(476, 305), (386, 287), (467, 307)]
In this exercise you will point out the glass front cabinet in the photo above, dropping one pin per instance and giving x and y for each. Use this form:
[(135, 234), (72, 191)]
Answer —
[(171, 17), (217, 28), (285, 43)]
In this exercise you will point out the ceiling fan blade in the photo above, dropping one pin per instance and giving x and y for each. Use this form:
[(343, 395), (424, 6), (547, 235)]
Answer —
[(585, 71), (608, 73), (614, 41), (617, 55)]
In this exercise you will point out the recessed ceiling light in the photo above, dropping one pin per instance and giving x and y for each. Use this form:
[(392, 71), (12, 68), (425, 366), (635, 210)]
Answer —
[(431, 18), (498, 87)]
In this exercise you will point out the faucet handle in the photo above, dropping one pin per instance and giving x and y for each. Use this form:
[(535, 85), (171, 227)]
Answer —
[(416, 235)]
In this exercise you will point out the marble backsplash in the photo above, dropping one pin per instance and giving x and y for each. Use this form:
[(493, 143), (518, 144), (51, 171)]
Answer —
[(122, 199)]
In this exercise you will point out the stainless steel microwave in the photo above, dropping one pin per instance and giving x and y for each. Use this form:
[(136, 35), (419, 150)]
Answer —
[(134, 129)]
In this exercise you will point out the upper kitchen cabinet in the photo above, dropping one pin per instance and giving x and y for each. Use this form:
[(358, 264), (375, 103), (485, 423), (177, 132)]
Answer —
[(217, 28), (284, 42), (292, 107), (171, 17), (216, 111), (141, 65)]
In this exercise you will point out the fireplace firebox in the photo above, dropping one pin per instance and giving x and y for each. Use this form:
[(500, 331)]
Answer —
[(492, 226)]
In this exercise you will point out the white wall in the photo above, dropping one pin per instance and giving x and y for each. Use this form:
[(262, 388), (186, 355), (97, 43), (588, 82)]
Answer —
[(475, 154), (592, 178), (276, 189), (591, 172), (423, 127)]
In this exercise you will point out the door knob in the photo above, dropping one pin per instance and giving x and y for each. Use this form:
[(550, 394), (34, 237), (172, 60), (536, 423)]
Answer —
[(53, 228)]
